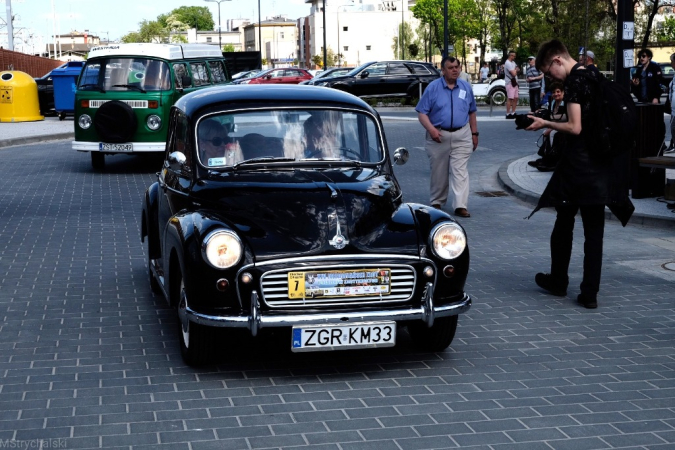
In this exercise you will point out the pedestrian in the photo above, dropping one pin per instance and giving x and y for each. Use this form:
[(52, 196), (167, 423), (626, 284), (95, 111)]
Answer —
[(646, 82), (581, 182), (590, 61), (511, 83), (447, 111), (484, 73), (670, 108), (534, 77)]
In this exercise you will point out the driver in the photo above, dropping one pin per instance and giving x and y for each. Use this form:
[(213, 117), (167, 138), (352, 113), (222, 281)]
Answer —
[(215, 146)]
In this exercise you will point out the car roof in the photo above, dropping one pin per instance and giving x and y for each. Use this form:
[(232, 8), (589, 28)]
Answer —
[(240, 95)]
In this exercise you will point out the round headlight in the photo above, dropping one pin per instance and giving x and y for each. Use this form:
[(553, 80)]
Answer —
[(222, 249), (84, 121), (448, 240), (154, 122)]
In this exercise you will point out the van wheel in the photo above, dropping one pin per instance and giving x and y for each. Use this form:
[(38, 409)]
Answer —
[(97, 160)]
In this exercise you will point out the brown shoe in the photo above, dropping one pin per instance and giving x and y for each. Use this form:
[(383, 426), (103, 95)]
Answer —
[(462, 212), (436, 206)]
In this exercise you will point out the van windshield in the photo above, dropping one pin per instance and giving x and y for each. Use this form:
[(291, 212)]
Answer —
[(124, 74)]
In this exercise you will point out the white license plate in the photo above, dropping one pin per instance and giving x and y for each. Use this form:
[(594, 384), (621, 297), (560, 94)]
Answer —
[(115, 147), (342, 337)]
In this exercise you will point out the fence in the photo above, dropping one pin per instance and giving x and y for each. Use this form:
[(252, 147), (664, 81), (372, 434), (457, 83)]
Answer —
[(34, 66)]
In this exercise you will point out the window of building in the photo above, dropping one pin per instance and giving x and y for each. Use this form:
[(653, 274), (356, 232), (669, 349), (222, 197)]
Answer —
[(208, 39), (345, 28), (367, 47), (281, 35), (345, 48)]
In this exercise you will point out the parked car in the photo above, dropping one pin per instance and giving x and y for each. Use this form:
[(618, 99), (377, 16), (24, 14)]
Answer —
[(243, 75), (385, 79), (45, 86), (494, 91), (277, 207), (329, 73), (287, 75)]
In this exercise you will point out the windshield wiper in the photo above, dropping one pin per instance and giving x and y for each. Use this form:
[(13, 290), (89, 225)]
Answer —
[(94, 85), (130, 86), (262, 159)]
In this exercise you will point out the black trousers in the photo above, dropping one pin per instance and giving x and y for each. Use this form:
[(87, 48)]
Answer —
[(535, 97), (593, 220)]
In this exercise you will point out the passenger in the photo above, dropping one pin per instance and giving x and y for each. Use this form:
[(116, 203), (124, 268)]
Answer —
[(215, 146)]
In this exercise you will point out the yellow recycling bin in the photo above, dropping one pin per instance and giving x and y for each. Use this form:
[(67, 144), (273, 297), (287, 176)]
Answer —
[(18, 97)]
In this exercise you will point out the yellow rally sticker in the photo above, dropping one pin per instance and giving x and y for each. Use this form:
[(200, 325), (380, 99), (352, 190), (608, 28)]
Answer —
[(296, 284)]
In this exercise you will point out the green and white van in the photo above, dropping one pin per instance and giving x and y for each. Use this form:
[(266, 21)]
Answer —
[(125, 92)]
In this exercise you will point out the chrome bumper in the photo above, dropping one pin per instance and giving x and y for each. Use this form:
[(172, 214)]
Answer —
[(256, 320)]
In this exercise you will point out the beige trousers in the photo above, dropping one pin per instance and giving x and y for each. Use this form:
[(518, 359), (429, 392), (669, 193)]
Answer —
[(450, 158)]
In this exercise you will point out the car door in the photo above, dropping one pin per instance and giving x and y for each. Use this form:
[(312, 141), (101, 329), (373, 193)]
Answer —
[(274, 77), (371, 80), (291, 76), (399, 78)]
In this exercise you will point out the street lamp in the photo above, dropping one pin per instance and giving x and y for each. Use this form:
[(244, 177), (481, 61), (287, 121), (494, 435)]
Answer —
[(402, 33), (220, 42)]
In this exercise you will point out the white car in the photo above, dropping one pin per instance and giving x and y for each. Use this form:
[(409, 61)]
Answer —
[(493, 90)]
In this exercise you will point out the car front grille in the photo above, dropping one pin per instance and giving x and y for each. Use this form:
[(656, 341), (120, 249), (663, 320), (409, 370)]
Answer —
[(275, 287)]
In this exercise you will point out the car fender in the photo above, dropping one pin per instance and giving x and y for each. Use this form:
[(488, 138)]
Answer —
[(149, 224)]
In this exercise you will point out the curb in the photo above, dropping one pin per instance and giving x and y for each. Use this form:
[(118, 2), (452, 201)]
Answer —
[(35, 139), (533, 198)]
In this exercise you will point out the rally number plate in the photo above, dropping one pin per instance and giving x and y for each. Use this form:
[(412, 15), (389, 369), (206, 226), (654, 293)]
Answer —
[(115, 147), (310, 338), (339, 283)]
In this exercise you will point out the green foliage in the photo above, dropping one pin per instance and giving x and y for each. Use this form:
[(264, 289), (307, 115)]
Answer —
[(198, 17), (409, 39), (228, 48), (166, 26), (317, 60), (667, 32)]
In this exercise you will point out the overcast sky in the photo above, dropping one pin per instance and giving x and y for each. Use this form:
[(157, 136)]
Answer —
[(119, 17)]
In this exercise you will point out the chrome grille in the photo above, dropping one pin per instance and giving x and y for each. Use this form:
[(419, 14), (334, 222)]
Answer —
[(275, 287)]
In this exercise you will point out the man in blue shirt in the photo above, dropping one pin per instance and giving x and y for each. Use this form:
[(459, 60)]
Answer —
[(447, 111)]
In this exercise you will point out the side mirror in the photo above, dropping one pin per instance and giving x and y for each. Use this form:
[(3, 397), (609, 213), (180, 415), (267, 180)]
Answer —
[(176, 160), (365, 74), (401, 156), (186, 81)]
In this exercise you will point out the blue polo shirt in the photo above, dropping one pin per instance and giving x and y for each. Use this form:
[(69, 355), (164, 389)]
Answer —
[(447, 108)]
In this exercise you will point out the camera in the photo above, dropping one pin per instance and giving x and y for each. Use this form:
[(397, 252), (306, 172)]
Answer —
[(522, 121)]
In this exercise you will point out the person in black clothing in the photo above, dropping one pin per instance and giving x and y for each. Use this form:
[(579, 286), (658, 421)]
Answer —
[(557, 112), (582, 182), (646, 83)]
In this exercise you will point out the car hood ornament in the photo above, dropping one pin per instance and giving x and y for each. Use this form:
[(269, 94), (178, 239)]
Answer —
[(338, 241)]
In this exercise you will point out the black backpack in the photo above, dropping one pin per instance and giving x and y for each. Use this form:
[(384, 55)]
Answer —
[(615, 118)]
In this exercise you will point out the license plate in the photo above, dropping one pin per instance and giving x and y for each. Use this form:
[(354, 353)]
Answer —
[(342, 337), (339, 283), (115, 147)]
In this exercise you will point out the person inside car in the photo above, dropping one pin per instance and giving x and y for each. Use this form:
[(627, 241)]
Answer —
[(215, 146)]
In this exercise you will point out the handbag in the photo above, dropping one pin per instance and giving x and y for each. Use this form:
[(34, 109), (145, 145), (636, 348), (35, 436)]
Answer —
[(544, 144), (514, 82)]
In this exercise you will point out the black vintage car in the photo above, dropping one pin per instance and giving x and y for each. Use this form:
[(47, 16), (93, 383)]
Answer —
[(277, 206), (385, 79)]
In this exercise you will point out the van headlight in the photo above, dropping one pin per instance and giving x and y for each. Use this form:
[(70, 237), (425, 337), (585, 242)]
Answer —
[(447, 240), (84, 121), (222, 249), (154, 122)]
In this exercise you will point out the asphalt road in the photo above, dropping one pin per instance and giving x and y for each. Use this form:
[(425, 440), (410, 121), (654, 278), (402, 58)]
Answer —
[(89, 357)]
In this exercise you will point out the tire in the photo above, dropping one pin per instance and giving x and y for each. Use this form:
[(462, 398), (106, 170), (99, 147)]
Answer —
[(196, 341), (434, 339), (498, 97), (97, 160), (115, 122)]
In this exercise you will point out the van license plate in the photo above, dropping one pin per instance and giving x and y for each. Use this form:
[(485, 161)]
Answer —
[(310, 338), (115, 147)]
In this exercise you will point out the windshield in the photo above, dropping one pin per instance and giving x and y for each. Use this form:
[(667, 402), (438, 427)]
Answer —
[(123, 74), (228, 139), (356, 70)]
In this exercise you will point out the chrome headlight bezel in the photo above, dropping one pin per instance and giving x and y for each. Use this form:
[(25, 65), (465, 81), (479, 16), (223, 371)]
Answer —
[(212, 248), (154, 122), (447, 241), (84, 121)]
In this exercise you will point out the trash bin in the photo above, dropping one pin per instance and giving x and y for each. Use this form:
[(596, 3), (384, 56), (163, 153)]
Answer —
[(65, 81), (650, 132), (18, 97)]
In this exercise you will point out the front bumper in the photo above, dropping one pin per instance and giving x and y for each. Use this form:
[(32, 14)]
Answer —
[(139, 147), (256, 320)]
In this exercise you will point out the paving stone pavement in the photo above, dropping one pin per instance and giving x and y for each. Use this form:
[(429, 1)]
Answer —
[(89, 357)]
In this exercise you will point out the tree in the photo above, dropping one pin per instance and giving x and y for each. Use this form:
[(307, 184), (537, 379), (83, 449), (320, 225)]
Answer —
[(667, 31), (228, 48), (409, 38), (150, 31), (198, 17)]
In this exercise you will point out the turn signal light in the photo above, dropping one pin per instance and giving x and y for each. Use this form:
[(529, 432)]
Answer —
[(449, 271), (84, 103), (153, 104), (222, 284)]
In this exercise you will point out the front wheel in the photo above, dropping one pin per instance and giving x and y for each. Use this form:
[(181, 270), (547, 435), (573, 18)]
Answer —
[(196, 341), (436, 338), (97, 160), (498, 97)]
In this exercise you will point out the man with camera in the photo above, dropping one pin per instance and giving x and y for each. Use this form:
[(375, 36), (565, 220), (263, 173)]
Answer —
[(447, 111), (582, 182)]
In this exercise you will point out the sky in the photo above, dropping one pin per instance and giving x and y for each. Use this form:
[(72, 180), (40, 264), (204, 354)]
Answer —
[(115, 18)]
